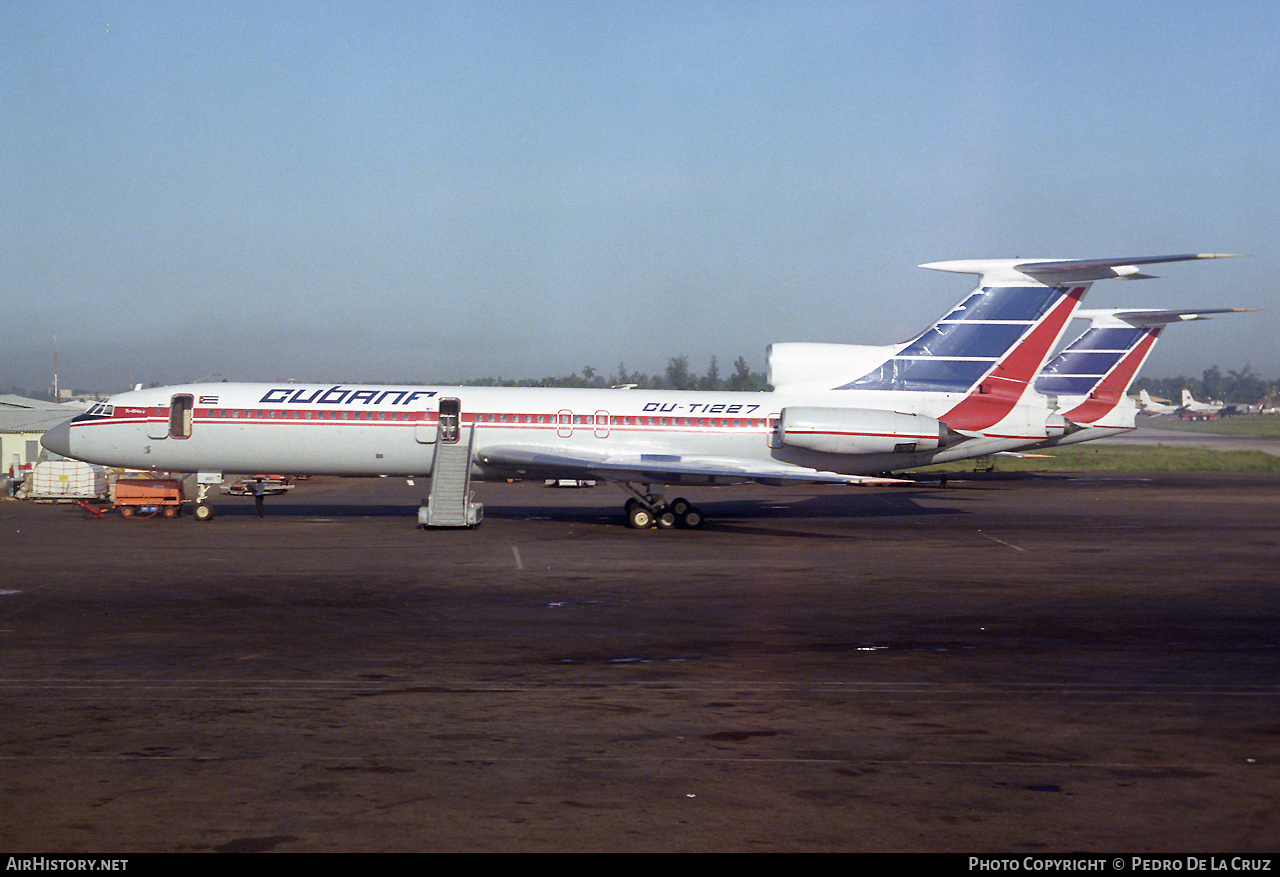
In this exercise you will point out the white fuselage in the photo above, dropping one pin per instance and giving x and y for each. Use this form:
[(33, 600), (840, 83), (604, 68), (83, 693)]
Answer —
[(391, 430)]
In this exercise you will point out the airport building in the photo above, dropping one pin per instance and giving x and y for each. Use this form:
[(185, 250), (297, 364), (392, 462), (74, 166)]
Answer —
[(22, 422)]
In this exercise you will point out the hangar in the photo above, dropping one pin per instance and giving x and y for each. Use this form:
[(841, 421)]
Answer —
[(22, 422)]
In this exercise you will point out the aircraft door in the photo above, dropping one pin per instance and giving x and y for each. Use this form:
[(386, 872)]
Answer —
[(425, 432), (774, 439), (158, 423), (181, 409), (172, 421), (450, 427)]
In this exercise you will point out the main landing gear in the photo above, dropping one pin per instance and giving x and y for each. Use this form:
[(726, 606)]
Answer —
[(648, 509)]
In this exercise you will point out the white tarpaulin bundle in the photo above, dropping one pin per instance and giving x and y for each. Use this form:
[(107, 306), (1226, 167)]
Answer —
[(68, 479)]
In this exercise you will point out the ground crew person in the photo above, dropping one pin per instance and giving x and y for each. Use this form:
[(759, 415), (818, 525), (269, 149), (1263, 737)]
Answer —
[(259, 491)]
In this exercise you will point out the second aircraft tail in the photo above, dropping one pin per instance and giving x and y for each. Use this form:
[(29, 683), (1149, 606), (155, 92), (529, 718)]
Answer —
[(1093, 373)]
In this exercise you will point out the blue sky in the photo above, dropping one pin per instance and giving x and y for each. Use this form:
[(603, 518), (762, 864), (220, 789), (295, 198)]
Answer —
[(431, 191)]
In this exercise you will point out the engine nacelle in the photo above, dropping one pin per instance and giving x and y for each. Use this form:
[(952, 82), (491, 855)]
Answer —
[(860, 431)]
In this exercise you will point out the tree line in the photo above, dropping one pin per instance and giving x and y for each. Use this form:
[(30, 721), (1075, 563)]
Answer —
[(678, 376), (1245, 387)]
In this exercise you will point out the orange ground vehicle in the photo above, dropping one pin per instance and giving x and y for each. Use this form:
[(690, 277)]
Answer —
[(148, 495)]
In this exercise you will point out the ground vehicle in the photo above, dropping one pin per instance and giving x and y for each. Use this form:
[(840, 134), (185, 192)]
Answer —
[(148, 496)]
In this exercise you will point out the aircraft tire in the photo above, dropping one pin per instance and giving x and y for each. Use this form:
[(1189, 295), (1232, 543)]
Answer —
[(639, 517), (692, 519), (679, 505), (666, 519), (203, 512)]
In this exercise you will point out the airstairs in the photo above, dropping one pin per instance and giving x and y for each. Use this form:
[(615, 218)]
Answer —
[(450, 503)]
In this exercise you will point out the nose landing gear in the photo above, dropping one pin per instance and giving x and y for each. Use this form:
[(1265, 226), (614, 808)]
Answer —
[(205, 481)]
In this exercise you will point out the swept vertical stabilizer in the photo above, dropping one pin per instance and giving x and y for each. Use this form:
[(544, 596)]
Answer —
[(1092, 374)]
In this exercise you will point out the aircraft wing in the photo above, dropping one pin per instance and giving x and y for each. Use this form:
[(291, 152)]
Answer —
[(551, 462)]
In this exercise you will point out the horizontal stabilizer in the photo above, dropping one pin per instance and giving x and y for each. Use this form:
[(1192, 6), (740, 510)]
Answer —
[(1146, 318), (1055, 271)]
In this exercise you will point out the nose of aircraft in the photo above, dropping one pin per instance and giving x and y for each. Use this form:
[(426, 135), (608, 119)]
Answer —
[(58, 439)]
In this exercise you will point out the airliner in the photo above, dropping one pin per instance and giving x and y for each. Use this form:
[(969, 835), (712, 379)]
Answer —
[(1191, 406), (1150, 406), (978, 381)]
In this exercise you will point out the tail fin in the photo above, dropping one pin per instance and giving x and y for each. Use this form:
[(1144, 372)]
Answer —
[(995, 329), (993, 325), (1151, 406), (1060, 282), (1092, 374), (988, 348)]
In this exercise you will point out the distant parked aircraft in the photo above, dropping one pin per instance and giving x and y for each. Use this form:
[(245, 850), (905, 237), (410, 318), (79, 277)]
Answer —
[(1150, 406), (1191, 406)]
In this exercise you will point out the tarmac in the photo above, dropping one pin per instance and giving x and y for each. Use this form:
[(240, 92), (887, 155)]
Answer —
[(1171, 438), (1010, 665)]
